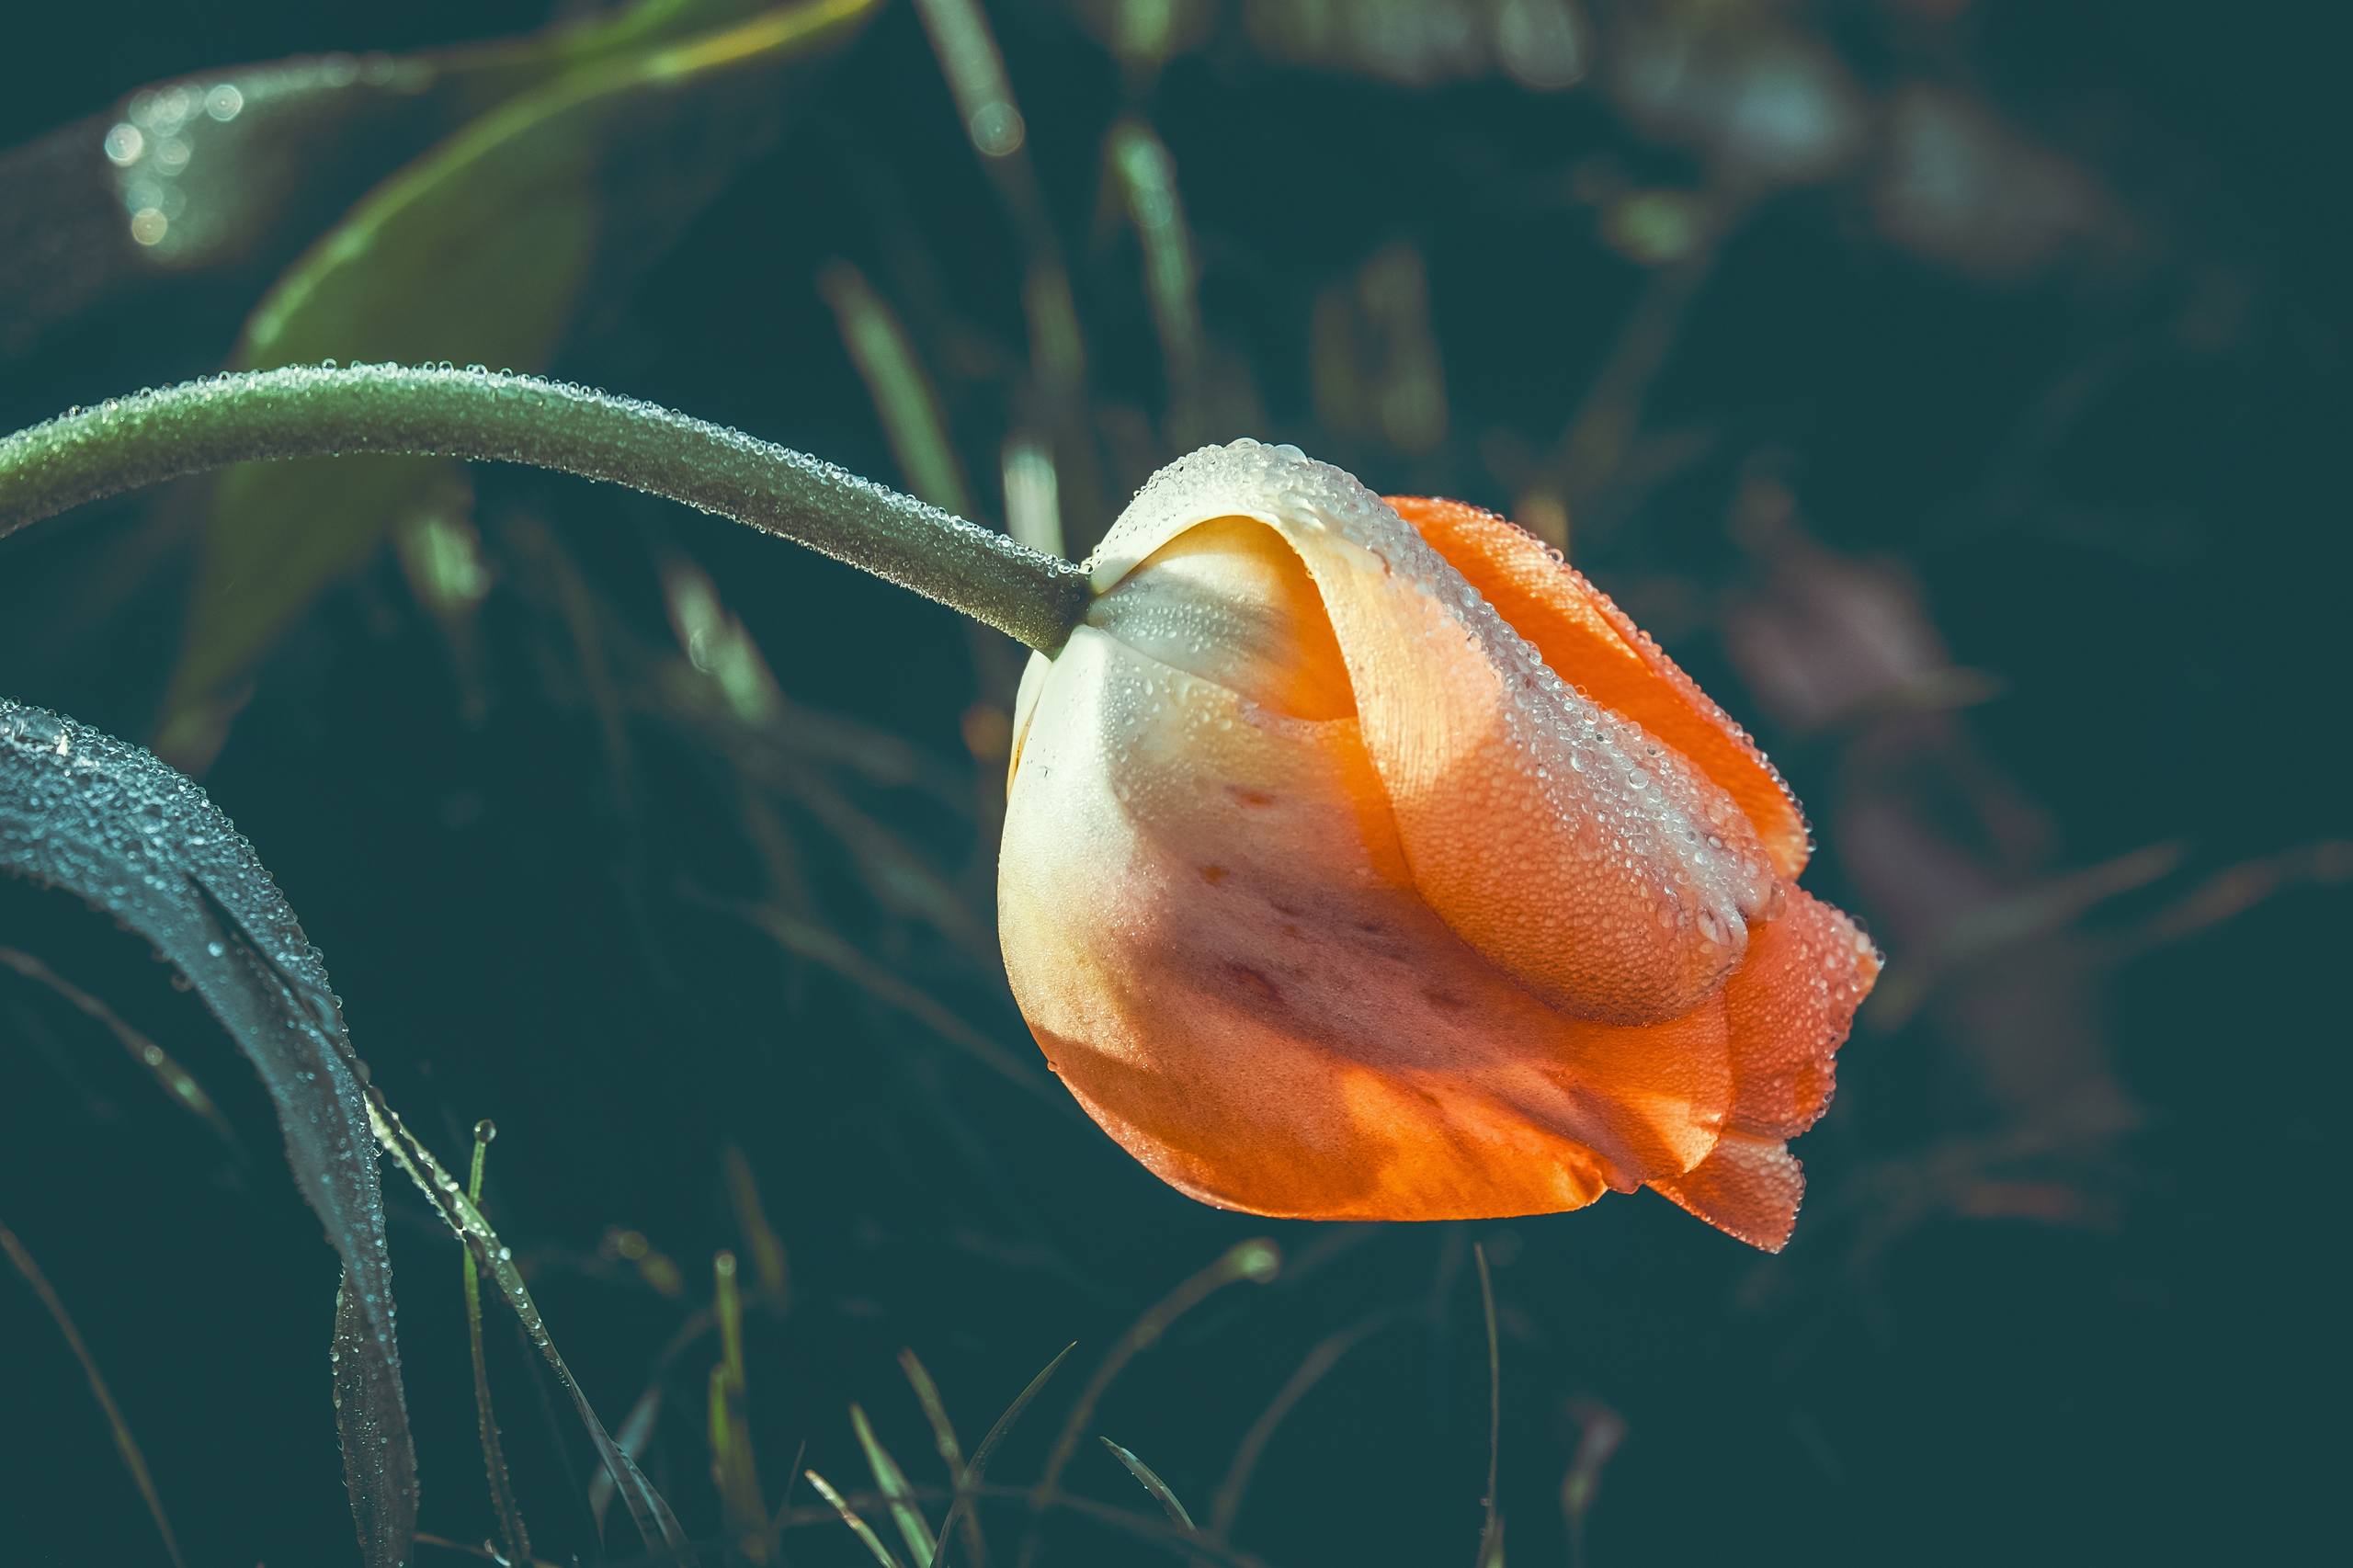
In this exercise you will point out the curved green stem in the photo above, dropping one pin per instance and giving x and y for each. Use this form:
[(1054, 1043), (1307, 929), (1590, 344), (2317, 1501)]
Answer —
[(307, 412)]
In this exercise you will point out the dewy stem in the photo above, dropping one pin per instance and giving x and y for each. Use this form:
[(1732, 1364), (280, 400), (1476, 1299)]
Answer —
[(306, 412)]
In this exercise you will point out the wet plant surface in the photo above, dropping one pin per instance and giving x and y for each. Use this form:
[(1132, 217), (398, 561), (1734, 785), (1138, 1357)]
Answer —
[(1950, 387)]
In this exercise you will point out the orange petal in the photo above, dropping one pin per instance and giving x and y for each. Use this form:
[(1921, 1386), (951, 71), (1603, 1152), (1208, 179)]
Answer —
[(1590, 642), (1573, 849), (1211, 926), (1789, 1005), (1750, 1187)]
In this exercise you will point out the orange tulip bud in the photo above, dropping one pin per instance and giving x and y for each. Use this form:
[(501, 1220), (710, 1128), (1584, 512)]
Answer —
[(1362, 860)]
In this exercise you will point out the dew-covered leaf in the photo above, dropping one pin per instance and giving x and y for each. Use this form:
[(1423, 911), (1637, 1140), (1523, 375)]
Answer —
[(85, 813), (235, 166), (1149, 1479), (478, 251), (656, 1525)]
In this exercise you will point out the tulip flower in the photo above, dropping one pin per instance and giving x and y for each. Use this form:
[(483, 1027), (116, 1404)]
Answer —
[(1362, 860)]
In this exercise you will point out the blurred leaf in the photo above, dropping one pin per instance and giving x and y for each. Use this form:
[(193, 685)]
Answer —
[(891, 1481), (1147, 34), (1378, 377), (85, 813), (1541, 44), (895, 379), (973, 67), (235, 165), (733, 1465), (481, 250), (1146, 176), (2039, 913), (768, 1270), (1033, 507)]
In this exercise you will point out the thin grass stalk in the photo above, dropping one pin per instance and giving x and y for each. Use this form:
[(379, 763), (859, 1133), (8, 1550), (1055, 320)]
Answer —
[(1256, 1259), (494, 1454), (125, 1444)]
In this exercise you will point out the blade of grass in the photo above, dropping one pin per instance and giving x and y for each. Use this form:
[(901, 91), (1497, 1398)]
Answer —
[(943, 1433), (891, 1481), (481, 1549), (1603, 1429), (494, 1454), (656, 1523), (125, 1444), (970, 60), (974, 69), (176, 1080), (768, 1267), (637, 1430), (908, 407), (901, 391), (1256, 1259), (1609, 415), (858, 1526), (969, 1488), (815, 942), (1149, 1480), (1033, 491), (1491, 1539), (1151, 1528), (1146, 175), (716, 645), (1225, 1504), (733, 1464), (902, 880)]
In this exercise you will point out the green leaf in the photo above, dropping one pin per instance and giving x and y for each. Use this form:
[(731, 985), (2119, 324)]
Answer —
[(107, 823), (229, 169), (969, 1486), (1149, 1479), (891, 1481), (858, 1526), (656, 1525), (480, 251)]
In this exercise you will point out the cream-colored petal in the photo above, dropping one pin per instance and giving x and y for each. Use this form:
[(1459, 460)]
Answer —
[(1572, 850)]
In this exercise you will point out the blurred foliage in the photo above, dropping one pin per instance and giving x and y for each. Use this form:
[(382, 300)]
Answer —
[(481, 247), (1952, 385)]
